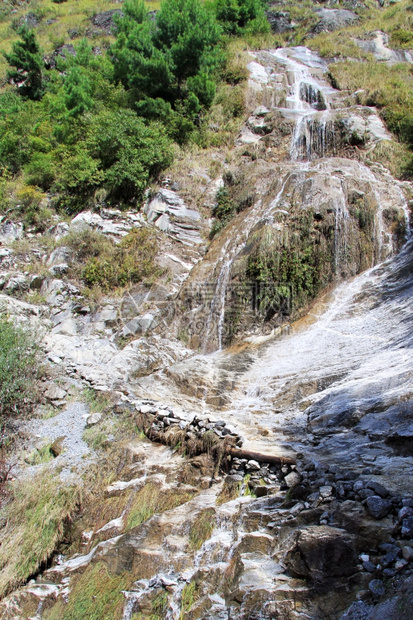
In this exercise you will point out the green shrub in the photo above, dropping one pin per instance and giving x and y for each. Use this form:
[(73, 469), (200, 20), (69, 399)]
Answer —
[(19, 369), (130, 262)]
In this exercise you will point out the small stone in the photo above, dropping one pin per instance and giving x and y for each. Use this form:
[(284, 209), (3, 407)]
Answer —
[(292, 479), (358, 485), (407, 501), (400, 564), (364, 557), (378, 488), (369, 567), (253, 465), (326, 491), (56, 447), (407, 527), (407, 553), (389, 572), (389, 558), (405, 512), (377, 588), (94, 418), (377, 507), (54, 392)]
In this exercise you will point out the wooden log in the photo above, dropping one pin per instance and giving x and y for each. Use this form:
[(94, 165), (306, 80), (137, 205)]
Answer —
[(262, 458)]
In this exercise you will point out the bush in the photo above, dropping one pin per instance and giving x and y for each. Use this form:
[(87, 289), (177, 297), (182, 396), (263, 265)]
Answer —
[(130, 262), (19, 369)]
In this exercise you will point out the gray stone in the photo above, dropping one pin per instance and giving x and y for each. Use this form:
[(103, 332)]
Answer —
[(292, 479), (168, 212), (378, 46), (357, 611), (407, 527), (60, 255), (326, 492), (333, 19), (93, 418), (280, 21), (377, 507), (369, 567), (104, 20), (407, 553), (378, 488), (253, 465), (54, 392), (405, 512), (17, 284), (10, 231), (59, 270), (376, 587)]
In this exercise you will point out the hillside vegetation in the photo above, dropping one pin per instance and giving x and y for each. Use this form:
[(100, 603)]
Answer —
[(100, 124)]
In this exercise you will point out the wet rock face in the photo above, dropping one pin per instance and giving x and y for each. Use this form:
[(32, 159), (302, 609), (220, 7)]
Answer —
[(322, 552), (304, 232)]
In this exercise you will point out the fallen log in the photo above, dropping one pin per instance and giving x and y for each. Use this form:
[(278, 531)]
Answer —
[(261, 458)]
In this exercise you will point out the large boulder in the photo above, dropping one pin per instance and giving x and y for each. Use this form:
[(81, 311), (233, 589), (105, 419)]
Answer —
[(321, 553)]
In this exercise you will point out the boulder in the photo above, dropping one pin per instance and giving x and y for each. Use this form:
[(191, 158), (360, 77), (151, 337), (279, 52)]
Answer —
[(54, 392), (59, 270), (280, 21), (104, 21), (322, 552), (407, 527), (378, 46), (17, 284), (10, 231), (93, 418), (292, 479), (60, 255), (333, 19), (377, 507)]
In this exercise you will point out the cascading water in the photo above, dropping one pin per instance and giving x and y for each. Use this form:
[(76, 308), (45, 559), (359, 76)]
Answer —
[(308, 102)]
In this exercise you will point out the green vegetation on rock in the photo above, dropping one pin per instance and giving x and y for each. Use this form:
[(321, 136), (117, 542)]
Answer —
[(35, 521), (19, 369)]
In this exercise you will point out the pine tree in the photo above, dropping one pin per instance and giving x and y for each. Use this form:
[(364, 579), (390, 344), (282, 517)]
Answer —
[(27, 60)]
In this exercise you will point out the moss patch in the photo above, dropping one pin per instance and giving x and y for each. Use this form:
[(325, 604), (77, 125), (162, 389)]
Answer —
[(202, 528)]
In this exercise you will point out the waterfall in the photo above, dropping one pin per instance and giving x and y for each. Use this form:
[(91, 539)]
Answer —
[(218, 307), (341, 229), (308, 102)]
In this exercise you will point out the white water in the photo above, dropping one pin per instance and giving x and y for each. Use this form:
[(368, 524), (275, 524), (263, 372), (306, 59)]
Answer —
[(310, 135)]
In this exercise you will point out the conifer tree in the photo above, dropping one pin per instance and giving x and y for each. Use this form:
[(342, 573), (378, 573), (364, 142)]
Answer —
[(27, 60)]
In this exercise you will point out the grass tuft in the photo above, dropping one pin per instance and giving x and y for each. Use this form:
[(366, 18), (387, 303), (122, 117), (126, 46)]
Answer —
[(35, 520)]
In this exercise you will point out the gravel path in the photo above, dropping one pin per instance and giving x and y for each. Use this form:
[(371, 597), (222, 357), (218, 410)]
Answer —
[(70, 424)]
